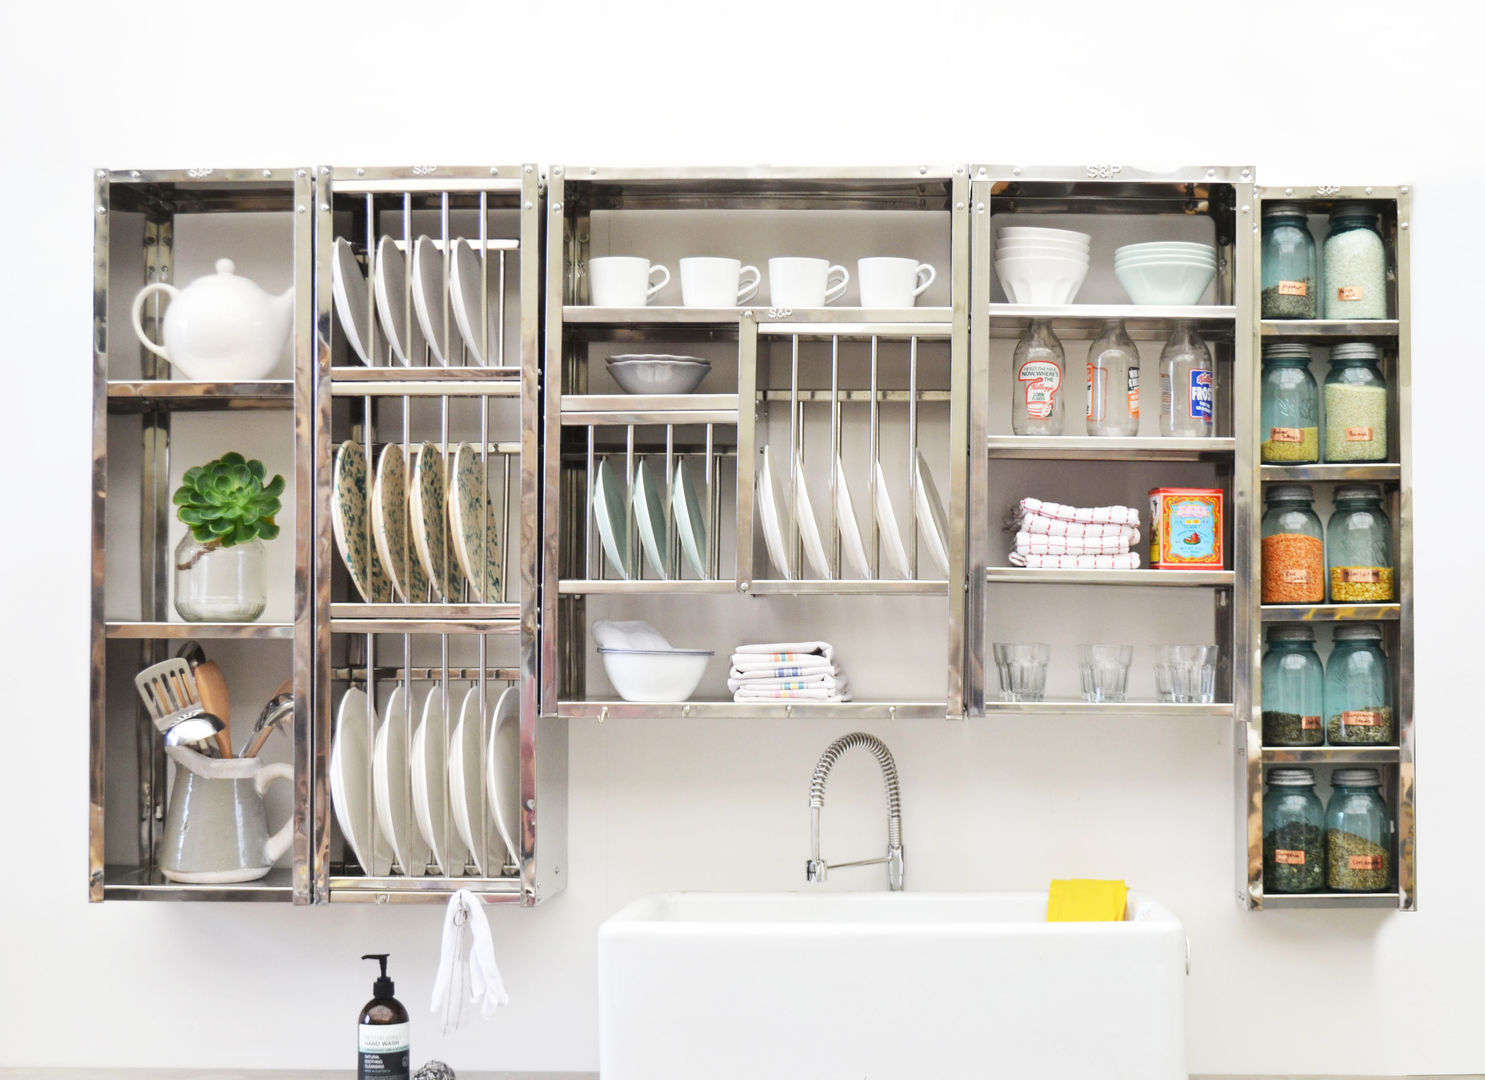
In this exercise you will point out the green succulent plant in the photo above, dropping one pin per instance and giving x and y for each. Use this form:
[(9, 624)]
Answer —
[(226, 502)]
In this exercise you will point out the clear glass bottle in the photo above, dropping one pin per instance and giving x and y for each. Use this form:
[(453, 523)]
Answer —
[(1355, 264), (1038, 382), (1359, 833), (1113, 383), (1355, 404), (214, 583), (1188, 385), (1358, 689), (1293, 833), (1290, 421), (1291, 285), (1293, 687), (1293, 546), (1358, 547)]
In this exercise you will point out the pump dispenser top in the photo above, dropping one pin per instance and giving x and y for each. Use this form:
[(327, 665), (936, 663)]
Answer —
[(383, 987)]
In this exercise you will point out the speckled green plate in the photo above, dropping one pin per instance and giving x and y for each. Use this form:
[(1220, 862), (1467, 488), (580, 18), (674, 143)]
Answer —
[(476, 532), (349, 521), (430, 523), (389, 511)]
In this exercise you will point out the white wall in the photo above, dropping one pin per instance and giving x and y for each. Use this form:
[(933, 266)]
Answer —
[(1333, 95)]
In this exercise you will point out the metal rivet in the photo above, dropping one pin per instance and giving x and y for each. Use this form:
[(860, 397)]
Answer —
[(556, 170), (268, 174), (686, 710), (1403, 189), (324, 207), (892, 712), (556, 206), (743, 587), (1255, 226), (102, 210), (1404, 225), (1245, 209), (324, 170), (102, 173), (980, 207), (984, 171), (922, 170), (360, 172), (300, 208), (959, 206), (603, 714), (528, 168), (1016, 171), (959, 171), (299, 173), (1246, 173), (528, 206), (592, 171), (1368, 191), (1288, 191), (788, 710), (748, 314), (134, 175), (1211, 173), (494, 172)]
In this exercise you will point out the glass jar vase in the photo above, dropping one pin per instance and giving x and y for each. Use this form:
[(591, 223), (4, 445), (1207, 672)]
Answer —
[(1355, 404), (1355, 264), (1290, 282), (1290, 407), (216, 583), (1293, 546), (1188, 385), (1293, 688), (1358, 689), (1358, 833), (1358, 547), (1113, 383), (1038, 382), (1293, 833)]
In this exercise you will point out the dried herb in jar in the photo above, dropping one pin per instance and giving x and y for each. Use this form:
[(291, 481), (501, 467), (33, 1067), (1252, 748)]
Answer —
[(1285, 300), (1294, 858), (1355, 864), (1291, 729), (1360, 727), (1293, 569)]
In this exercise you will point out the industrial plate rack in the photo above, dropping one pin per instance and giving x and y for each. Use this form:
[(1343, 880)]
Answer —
[(841, 399)]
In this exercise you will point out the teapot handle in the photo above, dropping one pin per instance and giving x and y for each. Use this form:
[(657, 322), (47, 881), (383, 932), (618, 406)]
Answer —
[(143, 295), (279, 842)]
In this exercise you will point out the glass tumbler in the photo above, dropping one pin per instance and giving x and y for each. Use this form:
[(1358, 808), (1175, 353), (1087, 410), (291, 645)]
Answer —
[(1105, 671), (1023, 670), (1187, 673)]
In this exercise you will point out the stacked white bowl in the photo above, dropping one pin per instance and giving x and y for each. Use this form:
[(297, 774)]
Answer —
[(1165, 273), (1041, 266)]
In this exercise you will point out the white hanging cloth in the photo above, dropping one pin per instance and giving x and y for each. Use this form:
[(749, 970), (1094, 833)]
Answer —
[(467, 972)]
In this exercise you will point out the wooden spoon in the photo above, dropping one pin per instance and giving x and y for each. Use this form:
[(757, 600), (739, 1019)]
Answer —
[(212, 685)]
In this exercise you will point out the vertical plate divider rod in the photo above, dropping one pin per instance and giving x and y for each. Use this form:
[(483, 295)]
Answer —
[(484, 236), (873, 449), (711, 550), (835, 478), (98, 643), (309, 792), (969, 409), (912, 455), (749, 409), (1246, 484), (635, 564), (671, 541), (448, 253), (591, 571), (1407, 872), (556, 545), (794, 542), (315, 699)]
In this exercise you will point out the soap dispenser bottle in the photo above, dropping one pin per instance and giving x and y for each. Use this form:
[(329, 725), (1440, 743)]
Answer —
[(383, 1032)]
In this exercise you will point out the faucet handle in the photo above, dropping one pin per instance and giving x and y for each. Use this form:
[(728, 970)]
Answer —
[(895, 868), (814, 871)]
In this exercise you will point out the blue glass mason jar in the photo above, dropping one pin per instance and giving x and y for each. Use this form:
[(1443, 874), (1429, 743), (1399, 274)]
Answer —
[(1355, 404), (1358, 689), (1290, 409), (1291, 285), (1293, 688), (1358, 833), (1355, 264), (1358, 547), (1293, 833)]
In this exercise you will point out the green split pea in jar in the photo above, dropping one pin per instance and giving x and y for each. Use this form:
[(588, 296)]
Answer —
[(1290, 409)]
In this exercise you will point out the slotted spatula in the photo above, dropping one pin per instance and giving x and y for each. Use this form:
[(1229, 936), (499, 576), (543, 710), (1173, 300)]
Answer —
[(169, 692)]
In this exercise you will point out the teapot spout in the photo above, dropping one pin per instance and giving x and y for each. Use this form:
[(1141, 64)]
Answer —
[(283, 310)]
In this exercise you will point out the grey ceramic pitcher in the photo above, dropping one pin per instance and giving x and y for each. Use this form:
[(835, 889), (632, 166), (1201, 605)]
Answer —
[(216, 830)]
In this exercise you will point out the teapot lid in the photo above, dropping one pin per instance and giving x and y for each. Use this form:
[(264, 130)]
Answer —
[(226, 266)]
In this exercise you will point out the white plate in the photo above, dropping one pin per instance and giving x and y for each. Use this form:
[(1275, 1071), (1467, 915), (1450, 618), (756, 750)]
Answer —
[(768, 514), (476, 533), (887, 528), (391, 303), (349, 286), (350, 783), (349, 509), (428, 294), (389, 524), (503, 769), (852, 550), (690, 518), (809, 528), (931, 518), (430, 787), (392, 787), (426, 496), (608, 508), (465, 756), (649, 519), (465, 286)]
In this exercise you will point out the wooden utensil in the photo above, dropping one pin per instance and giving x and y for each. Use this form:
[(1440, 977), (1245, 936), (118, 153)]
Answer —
[(212, 685)]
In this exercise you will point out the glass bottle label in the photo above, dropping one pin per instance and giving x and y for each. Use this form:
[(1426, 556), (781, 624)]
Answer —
[(1358, 434), (1348, 292), (1289, 858), (1309, 723), (384, 1051), (1098, 386), (1293, 288), (1043, 379), (1295, 575), (1369, 575), (1132, 388), (1362, 718), (1201, 394), (1285, 434), (1365, 862)]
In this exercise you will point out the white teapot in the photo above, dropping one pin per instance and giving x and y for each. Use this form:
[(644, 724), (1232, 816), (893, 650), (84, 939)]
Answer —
[(221, 327)]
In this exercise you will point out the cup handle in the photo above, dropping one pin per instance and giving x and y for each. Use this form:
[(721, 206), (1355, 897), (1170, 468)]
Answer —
[(279, 842), (926, 281), (747, 290), (836, 291), (657, 286), (138, 310)]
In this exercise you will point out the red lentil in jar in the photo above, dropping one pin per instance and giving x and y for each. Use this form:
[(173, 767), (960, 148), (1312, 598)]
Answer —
[(1293, 547)]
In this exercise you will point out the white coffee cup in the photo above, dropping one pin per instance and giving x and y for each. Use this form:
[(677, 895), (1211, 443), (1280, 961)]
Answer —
[(624, 281), (892, 283), (804, 283), (711, 282)]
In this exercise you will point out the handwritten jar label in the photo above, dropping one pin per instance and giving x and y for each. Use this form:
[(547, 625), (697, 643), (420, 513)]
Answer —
[(1358, 434), (1348, 292), (1365, 862), (1369, 575), (1293, 288), (1309, 723), (1285, 434), (1296, 575), (1362, 718), (1289, 858)]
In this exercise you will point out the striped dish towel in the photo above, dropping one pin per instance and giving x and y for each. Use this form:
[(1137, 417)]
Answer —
[(791, 695), (1036, 524), (1042, 544), (1130, 560), (1097, 515), (823, 681)]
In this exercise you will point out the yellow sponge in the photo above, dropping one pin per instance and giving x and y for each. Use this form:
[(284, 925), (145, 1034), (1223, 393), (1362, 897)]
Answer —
[(1081, 900)]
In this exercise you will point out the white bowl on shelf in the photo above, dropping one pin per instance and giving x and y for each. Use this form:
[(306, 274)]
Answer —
[(1167, 283), (1166, 247), (645, 373), (1041, 279), (1145, 260), (655, 674), (1041, 247), (1030, 232)]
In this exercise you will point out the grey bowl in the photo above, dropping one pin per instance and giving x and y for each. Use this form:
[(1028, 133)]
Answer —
[(654, 374)]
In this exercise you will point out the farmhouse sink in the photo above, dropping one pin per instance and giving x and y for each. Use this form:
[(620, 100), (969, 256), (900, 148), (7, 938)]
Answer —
[(903, 985)]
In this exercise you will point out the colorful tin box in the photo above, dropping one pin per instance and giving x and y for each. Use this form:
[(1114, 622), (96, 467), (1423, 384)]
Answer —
[(1185, 528)]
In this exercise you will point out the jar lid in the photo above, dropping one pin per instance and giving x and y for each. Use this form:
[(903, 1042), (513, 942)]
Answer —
[(1289, 493), (1289, 777), (1354, 778), (1283, 209), (1286, 350), (1354, 350), (1296, 632), (1353, 209), (1358, 491), (1362, 631)]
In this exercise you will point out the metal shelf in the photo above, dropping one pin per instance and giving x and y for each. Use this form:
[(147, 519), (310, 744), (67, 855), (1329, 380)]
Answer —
[(581, 410), (681, 587), (122, 628), (356, 889), (129, 883), (1330, 473), (846, 587), (1112, 710), (1341, 329), (734, 710), (137, 395), (1286, 901), (1331, 755), (1091, 448), (1021, 575), (1329, 612), (1141, 322), (585, 315)]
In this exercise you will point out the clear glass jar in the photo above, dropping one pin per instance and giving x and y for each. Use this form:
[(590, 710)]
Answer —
[(1358, 547), (1355, 404), (220, 584), (1293, 688), (1038, 381), (1290, 420), (1293, 833), (1293, 546), (1358, 689), (1188, 385), (1113, 383), (1291, 285), (1355, 265), (1359, 833)]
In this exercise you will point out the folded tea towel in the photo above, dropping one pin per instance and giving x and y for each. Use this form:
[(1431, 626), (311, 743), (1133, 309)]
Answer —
[(467, 972), (1130, 560), (1041, 544), (1084, 900), (1037, 525), (825, 680), (786, 650), (748, 667), (1102, 515), (791, 695)]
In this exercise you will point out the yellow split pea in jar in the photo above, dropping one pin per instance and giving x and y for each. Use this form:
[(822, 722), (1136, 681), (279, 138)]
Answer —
[(1359, 547), (1293, 547)]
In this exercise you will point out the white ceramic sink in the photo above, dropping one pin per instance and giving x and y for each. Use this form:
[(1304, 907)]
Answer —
[(913, 986)]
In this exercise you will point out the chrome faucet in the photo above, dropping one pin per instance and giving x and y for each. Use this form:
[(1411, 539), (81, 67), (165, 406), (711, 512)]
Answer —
[(816, 868)]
